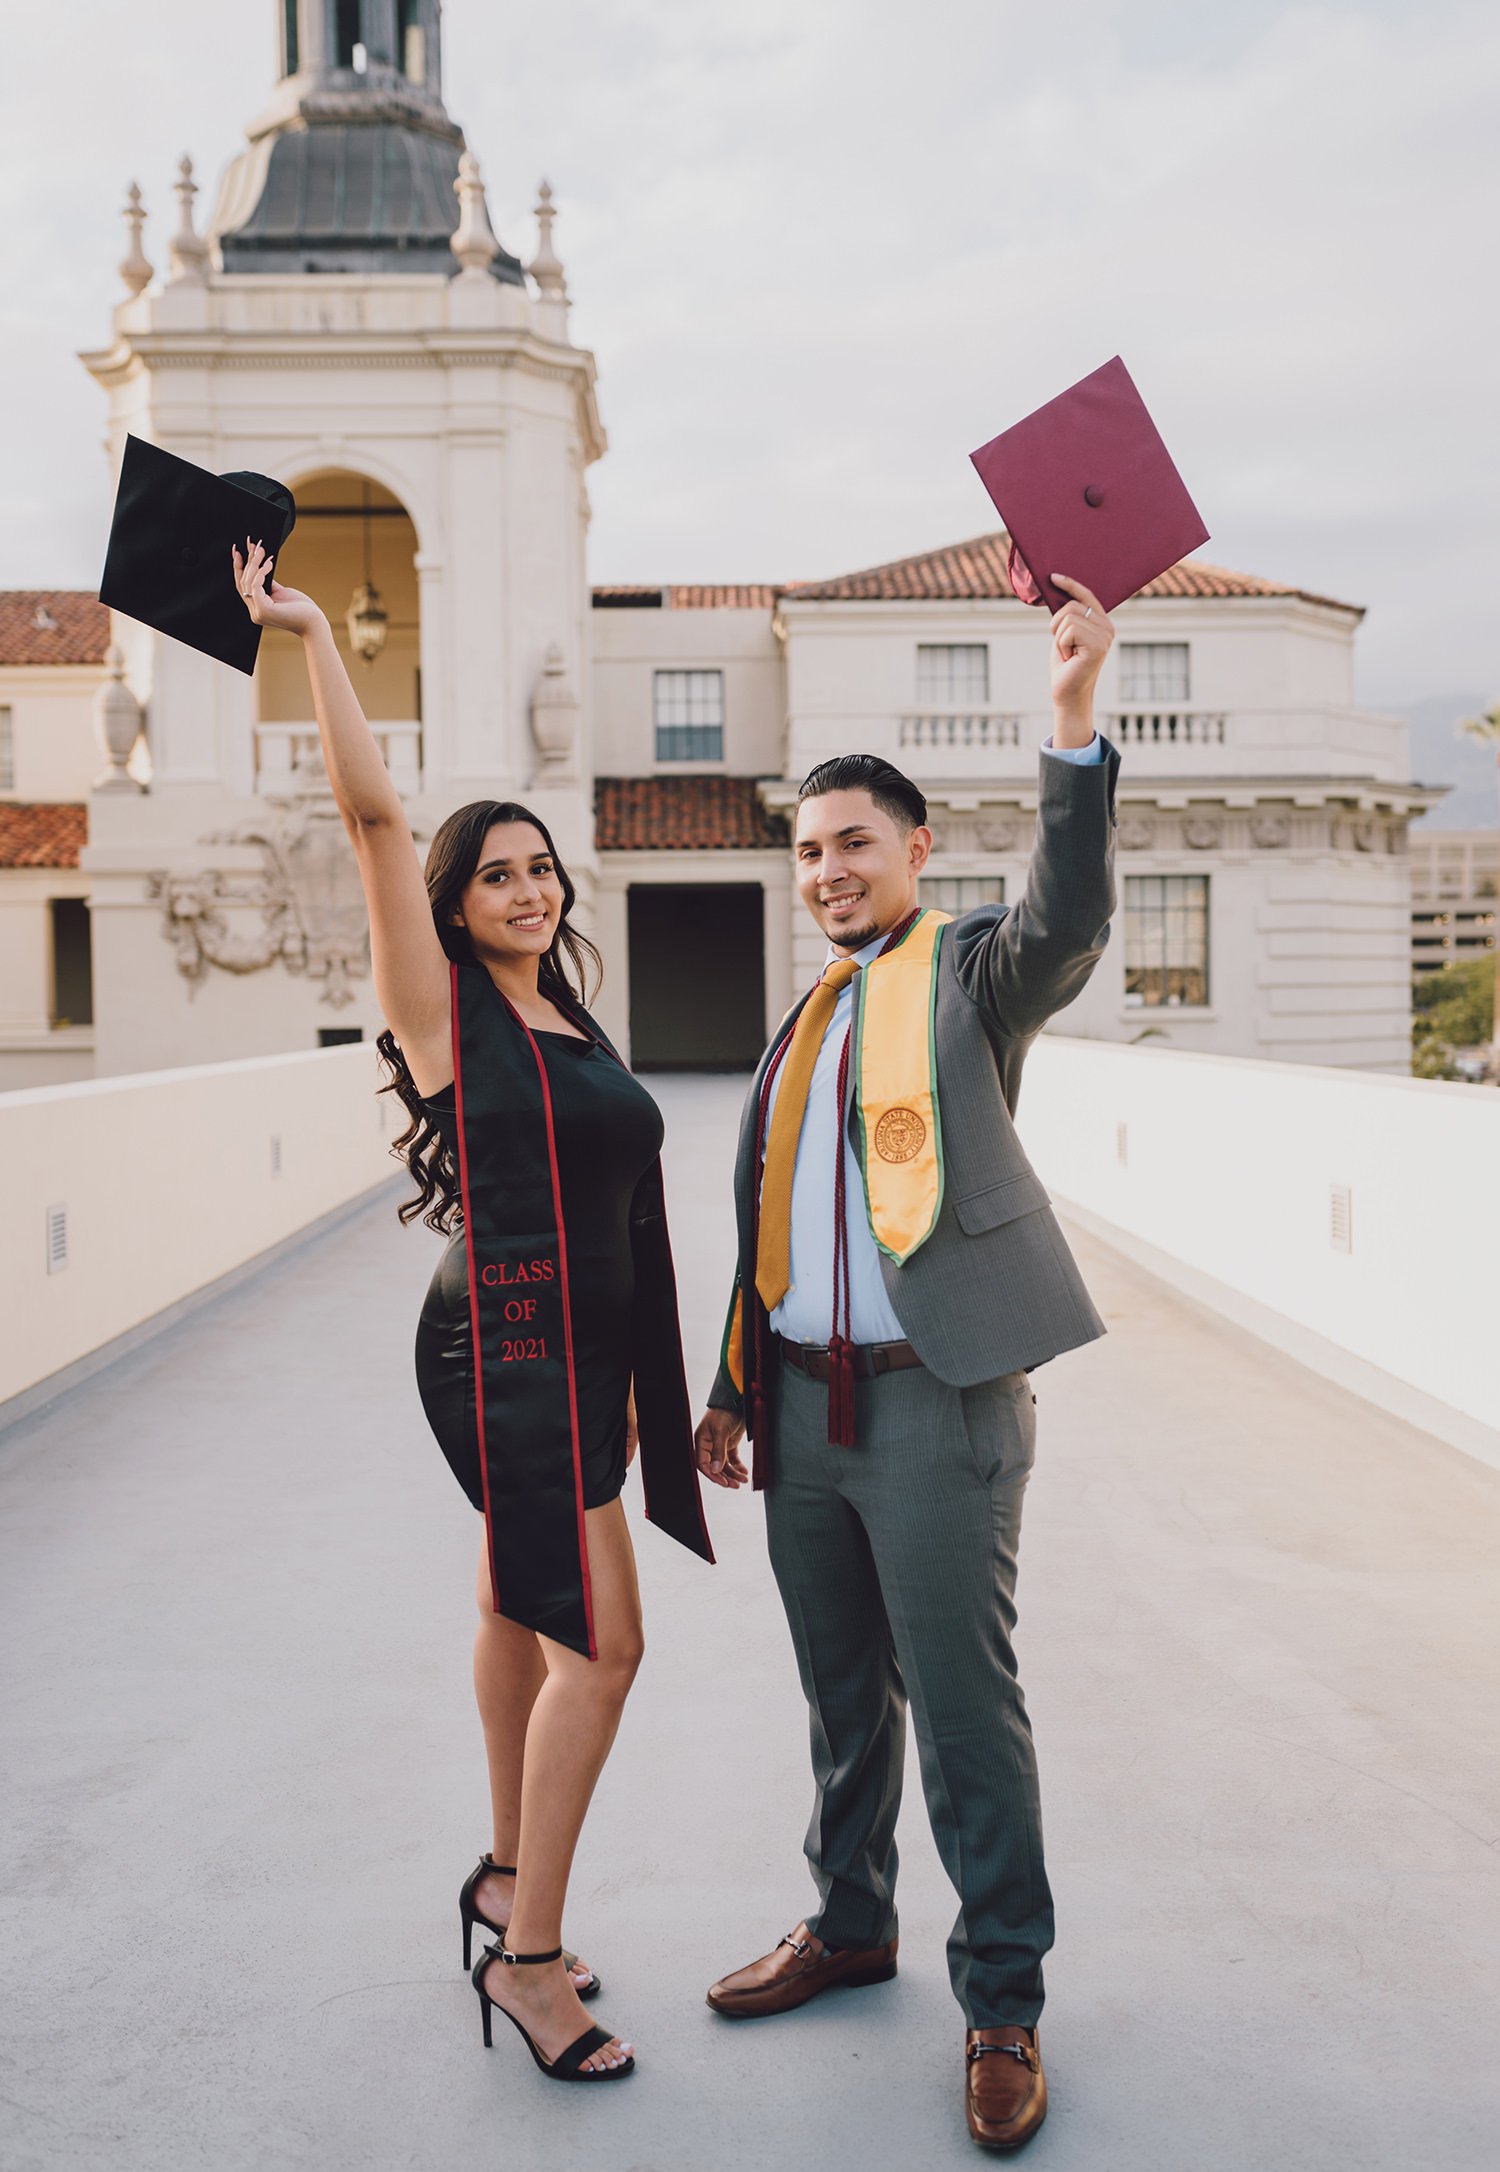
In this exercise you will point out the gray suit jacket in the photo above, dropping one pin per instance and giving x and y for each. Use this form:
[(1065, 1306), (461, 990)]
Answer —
[(994, 1288)]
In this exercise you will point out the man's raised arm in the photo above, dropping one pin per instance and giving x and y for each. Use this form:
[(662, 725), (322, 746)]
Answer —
[(1038, 957)]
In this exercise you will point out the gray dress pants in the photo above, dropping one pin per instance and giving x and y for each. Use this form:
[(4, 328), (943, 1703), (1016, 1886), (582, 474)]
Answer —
[(896, 1561)]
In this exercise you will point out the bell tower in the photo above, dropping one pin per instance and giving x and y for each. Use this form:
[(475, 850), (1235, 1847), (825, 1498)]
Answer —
[(348, 321), (352, 166)]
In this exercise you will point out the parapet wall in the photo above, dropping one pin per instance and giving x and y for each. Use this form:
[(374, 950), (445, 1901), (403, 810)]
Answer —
[(126, 1195), (1348, 1217)]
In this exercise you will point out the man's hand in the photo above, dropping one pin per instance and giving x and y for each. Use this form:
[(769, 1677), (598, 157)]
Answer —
[(1081, 639), (716, 1444)]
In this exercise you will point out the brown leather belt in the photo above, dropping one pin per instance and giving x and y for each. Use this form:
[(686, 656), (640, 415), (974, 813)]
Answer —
[(870, 1358)]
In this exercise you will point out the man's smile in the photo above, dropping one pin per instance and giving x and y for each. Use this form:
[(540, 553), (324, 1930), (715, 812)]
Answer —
[(841, 906)]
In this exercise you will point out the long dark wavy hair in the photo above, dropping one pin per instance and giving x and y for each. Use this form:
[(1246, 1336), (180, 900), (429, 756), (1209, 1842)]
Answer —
[(571, 969)]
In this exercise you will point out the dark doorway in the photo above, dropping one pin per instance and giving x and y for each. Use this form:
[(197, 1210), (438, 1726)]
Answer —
[(72, 962), (339, 1036), (697, 976)]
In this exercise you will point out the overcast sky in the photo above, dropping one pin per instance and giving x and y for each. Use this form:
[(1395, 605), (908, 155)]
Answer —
[(823, 247)]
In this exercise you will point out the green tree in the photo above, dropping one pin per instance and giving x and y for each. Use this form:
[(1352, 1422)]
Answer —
[(1486, 729), (1451, 1009)]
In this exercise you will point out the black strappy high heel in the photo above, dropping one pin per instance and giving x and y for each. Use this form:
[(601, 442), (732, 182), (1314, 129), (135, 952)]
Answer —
[(471, 1913), (568, 2063)]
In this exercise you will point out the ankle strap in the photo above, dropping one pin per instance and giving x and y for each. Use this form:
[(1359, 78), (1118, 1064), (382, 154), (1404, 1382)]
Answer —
[(501, 1870), (524, 1960)]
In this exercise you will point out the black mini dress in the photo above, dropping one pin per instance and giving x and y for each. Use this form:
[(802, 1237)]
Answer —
[(609, 1133)]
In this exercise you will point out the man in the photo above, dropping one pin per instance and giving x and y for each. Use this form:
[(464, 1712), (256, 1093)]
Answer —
[(893, 1297)]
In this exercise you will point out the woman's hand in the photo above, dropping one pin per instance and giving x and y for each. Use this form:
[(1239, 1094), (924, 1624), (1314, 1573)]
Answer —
[(1082, 637), (632, 1429), (268, 603)]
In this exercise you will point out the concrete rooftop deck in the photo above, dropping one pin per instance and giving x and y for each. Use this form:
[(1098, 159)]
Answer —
[(1258, 1630)]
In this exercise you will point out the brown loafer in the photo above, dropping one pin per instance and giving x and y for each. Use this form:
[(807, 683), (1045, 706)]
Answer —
[(1005, 2090), (796, 1971)]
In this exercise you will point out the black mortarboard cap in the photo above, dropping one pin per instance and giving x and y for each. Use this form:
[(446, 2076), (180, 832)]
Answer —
[(168, 562)]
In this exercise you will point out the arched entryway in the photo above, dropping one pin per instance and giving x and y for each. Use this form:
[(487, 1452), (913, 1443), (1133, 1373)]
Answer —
[(353, 536)]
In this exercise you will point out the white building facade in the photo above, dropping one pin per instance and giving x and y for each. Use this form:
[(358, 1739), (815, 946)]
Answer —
[(350, 324)]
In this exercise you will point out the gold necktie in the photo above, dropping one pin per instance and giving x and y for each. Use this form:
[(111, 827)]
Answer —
[(773, 1258)]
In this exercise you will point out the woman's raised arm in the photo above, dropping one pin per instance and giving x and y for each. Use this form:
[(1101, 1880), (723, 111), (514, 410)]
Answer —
[(410, 966)]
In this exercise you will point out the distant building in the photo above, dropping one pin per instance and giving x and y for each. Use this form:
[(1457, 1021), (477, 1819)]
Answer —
[(1455, 895), (181, 890)]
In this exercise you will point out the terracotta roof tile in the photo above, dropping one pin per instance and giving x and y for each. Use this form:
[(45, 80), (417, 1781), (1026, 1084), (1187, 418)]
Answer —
[(976, 570), (42, 834), (741, 596), (683, 814), (960, 572), (703, 596), (78, 633)]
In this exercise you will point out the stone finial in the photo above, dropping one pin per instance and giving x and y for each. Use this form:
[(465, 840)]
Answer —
[(546, 266), (117, 722), (554, 719), (473, 242), (135, 267), (188, 250)]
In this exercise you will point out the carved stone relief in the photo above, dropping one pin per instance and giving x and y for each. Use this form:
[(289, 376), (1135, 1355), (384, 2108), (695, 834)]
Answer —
[(1270, 831), (1136, 833), (996, 836), (304, 904), (1202, 832)]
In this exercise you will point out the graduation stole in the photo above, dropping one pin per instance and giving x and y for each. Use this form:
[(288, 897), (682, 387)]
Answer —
[(890, 1052), (521, 1316)]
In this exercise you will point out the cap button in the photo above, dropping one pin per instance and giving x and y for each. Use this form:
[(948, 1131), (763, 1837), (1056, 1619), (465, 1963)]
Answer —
[(1093, 495)]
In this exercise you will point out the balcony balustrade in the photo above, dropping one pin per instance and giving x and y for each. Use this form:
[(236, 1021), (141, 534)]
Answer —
[(289, 763), (1168, 740), (1166, 727)]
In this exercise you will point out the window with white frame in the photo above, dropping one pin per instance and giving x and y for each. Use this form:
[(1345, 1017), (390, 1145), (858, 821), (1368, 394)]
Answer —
[(960, 893), (7, 751), (689, 707), (1153, 671), (1166, 940), (953, 674)]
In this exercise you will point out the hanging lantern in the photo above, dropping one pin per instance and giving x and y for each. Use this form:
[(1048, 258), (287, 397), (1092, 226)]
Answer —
[(367, 620), (367, 617)]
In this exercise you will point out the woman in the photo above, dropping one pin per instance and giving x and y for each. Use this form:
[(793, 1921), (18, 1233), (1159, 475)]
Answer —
[(552, 1313)]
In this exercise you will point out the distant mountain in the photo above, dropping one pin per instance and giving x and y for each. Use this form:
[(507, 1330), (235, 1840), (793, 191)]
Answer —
[(1440, 756)]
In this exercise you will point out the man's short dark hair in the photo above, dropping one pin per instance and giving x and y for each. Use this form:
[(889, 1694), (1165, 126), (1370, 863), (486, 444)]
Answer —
[(892, 793)]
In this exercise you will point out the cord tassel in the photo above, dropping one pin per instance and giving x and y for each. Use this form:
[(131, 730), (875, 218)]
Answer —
[(841, 1393)]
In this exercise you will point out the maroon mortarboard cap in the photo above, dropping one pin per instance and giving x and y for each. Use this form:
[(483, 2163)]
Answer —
[(168, 561), (1086, 488)]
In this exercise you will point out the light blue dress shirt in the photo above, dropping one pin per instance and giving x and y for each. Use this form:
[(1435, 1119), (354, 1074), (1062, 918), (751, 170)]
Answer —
[(805, 1314)]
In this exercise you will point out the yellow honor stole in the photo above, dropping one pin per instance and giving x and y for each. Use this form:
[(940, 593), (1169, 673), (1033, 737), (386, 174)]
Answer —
[(895, 1090), (895, 1094)]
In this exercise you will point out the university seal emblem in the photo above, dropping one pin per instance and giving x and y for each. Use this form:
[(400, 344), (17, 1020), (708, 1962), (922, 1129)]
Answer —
[(899, 1135)]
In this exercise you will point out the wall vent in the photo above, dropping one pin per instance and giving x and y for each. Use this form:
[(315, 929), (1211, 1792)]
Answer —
[(1122, 1145), (57, 1239), (1340, 1218), (276, 1153)]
